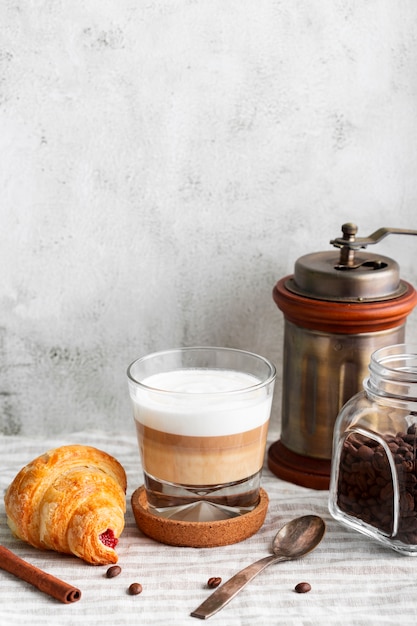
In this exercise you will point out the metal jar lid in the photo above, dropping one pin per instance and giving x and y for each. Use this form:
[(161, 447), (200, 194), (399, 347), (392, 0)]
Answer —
[(349, 276)]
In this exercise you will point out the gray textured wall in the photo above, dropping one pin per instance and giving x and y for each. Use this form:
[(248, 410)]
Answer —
[(164, 163)]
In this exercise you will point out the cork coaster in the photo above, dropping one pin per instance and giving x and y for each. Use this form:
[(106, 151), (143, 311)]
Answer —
[(198, 534)]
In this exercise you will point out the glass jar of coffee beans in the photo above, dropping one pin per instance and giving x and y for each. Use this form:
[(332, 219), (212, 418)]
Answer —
[(373, 484)]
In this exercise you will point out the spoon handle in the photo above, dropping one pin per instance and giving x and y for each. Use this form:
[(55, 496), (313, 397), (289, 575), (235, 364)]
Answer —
[(231, 588)]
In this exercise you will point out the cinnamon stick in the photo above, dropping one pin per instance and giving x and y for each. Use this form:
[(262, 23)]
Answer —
[(47, 583)]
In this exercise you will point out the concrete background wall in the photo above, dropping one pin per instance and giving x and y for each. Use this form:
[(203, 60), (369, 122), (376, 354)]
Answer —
[(164, 163)]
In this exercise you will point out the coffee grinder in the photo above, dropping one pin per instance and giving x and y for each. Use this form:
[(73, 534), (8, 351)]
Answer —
[(339, 307)]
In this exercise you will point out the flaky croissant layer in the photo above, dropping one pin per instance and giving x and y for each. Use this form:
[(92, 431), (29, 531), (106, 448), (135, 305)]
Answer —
[(71, 499)]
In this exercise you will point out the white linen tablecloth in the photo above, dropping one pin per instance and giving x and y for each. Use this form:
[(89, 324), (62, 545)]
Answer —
[(354, 580)]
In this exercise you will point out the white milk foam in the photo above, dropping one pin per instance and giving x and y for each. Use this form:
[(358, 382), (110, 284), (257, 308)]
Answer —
[(196, 402)]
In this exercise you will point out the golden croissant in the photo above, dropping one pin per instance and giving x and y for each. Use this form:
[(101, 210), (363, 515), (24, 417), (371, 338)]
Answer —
[(71, 500)]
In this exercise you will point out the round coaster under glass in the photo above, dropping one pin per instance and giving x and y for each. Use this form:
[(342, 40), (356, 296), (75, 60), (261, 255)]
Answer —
[(208, 534)]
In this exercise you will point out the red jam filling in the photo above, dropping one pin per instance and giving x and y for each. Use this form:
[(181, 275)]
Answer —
[(109, 539)]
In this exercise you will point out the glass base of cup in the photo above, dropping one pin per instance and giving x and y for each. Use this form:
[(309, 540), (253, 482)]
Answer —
[(202, 503)]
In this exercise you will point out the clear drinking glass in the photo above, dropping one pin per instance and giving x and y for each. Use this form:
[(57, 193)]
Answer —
[(201, 416)]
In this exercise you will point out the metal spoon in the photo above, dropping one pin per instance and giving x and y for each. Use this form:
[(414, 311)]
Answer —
[(294, 540)]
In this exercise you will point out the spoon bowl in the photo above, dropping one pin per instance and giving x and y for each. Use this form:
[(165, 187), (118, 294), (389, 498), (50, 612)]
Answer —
[(299, 537), (294, 540)]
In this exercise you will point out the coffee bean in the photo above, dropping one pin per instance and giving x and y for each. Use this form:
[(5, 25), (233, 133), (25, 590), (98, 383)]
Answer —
[(365, 453), (135, 589), (408, 467), (302, 588), (387, 491), (214, 582), (113, 571), (362, 483), (407, 501)]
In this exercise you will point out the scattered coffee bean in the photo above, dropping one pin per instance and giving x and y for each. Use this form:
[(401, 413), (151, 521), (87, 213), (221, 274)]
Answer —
[(113, 571), (302, 588), (214, 582), (135, 589)]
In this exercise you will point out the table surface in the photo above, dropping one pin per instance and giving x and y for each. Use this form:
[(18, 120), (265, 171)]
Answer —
[(353, 579)]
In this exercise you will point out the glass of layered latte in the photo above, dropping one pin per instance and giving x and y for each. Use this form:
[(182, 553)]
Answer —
[(201, 417)]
